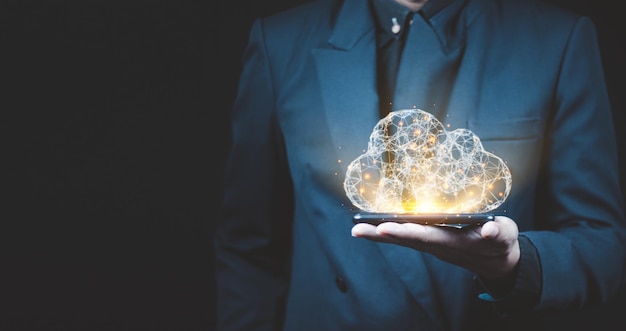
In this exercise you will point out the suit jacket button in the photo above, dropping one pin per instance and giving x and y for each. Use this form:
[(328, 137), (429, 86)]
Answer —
[(341, 284)]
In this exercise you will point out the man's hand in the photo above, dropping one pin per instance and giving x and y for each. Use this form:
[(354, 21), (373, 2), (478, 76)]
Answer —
[(492, 250)]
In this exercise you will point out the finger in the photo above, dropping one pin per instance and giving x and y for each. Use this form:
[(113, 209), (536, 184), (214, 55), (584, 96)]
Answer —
[(421, 237), (502, 230), (416, 235), (363, 230), (408, 231), (489, 230), (369, 232)]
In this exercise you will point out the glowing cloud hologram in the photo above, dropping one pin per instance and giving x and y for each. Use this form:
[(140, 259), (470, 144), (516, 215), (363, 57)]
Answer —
[(413, 165)]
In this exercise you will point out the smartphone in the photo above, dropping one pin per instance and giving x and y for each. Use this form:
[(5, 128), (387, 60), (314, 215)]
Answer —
[(458, 221)]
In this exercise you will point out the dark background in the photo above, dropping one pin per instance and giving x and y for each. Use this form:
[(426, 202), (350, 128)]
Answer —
[(112, 140)]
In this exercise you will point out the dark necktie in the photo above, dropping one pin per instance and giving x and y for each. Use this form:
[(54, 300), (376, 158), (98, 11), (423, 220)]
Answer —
[(389, 56)]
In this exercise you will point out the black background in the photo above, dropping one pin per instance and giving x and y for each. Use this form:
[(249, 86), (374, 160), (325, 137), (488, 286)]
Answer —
[(112, 140)]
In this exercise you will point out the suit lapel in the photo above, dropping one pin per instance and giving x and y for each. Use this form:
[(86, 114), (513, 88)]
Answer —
[(346, 72)]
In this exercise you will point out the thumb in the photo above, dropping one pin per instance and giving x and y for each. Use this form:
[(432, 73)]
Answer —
[(490, 230), (501, 229)]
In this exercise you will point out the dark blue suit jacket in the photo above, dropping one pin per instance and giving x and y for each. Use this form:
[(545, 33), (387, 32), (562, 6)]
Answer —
[(524, 76)]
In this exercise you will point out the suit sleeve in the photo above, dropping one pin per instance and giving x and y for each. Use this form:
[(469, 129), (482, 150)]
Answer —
[(252, 235), (580, 241)]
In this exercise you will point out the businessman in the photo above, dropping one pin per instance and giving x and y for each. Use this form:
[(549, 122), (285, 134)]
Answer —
[(524, 76)]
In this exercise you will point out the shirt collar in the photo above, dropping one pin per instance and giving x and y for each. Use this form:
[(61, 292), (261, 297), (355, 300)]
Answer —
[(388, 13)]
